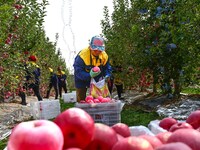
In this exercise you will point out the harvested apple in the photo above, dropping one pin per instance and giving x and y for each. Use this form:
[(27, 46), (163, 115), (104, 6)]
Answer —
[(96, 69), (174, 146), (166, 123), (104, 138), (36, 135), (164, 136), (153, 140), (77, 127), (194, 119), (190, 137), (132, 143), (180, 125), (122, 129)]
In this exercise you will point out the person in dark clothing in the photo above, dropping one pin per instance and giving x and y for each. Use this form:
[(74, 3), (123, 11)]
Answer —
[(53, 82), (117, 71), (62, 84), (32, 79)]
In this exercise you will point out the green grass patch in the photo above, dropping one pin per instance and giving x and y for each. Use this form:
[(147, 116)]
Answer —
[(190, 90)]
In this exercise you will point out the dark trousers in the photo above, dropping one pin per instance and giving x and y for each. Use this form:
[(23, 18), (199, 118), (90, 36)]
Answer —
[(62, 86), (55, 86), (81, 94), (110, 85), (119, 90), (36, 91)]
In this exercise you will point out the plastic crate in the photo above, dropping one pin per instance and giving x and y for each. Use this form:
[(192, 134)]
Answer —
[(69, 97), (106, 113), (46, 109)]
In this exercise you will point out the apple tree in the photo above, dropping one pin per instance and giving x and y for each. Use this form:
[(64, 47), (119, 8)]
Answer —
[(156, 36)]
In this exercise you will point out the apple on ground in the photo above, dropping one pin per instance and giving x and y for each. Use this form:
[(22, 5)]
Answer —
[(96, 69), (153, 140), (163, 136), (190, 137), (180, 125), (104, 138), (166, 123), (194, 119), (122, 129), (174, 146), (36, 135), (132, 143), (77, 127)]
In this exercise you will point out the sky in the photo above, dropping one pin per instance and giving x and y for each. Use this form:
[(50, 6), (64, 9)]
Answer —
[(76, 21)]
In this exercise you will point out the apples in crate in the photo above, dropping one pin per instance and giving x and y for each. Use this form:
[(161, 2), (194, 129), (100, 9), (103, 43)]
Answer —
[(99, 99)]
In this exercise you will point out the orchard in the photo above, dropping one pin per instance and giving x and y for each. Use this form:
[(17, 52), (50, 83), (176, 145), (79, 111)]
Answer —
[(158, 47), (21, 35)]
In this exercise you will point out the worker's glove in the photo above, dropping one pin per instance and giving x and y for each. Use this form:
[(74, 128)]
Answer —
[(94, 74), (107, 78)]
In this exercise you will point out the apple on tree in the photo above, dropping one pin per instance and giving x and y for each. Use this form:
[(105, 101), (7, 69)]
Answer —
[(36, 135), (77, 127)]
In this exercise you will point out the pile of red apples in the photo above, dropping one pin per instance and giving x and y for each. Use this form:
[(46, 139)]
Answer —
[(74, 129), (100, 99)]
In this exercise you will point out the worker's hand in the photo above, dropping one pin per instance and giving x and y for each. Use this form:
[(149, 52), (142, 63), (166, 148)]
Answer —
[(94, 74), (107, 78)]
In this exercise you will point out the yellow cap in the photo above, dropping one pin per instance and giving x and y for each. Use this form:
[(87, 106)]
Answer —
[(50, 69)]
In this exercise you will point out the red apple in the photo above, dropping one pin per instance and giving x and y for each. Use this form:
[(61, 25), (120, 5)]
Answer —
[(77, 127), (180, 125), (153, 140), (163, 136), (119, 137), (36, 135), (73, 148), (89, 98), (122, 129), (194, 119), (132, 143), (96, 69), (100, 98), (166, 123), (191, 137), (174, 146), (96, 100), (104, 138)]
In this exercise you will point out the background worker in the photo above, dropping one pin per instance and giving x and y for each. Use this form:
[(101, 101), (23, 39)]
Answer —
[(53, 82), (32, 79), (87, 58), (62, 83)]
